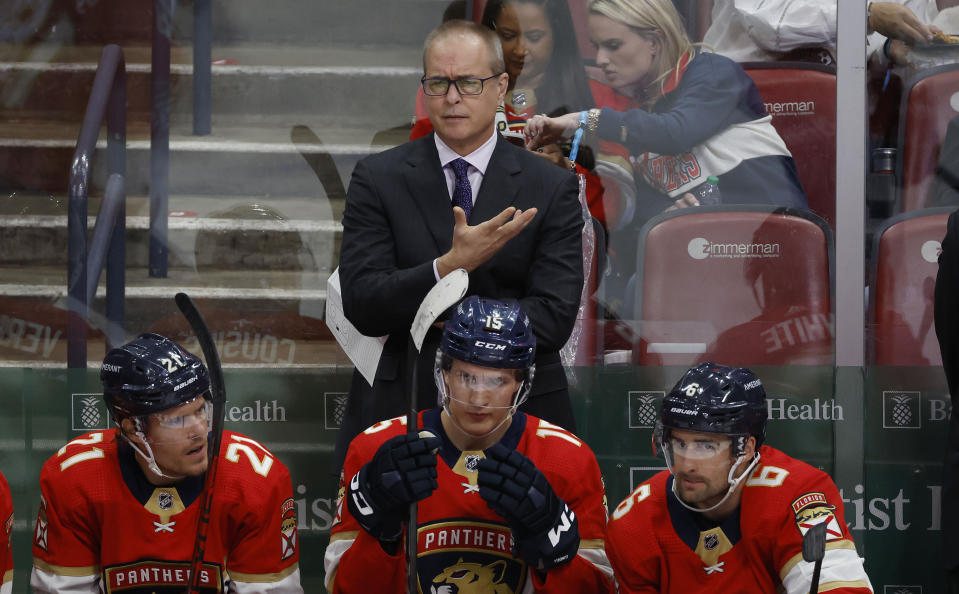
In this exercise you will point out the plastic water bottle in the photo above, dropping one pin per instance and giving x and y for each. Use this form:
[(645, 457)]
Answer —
[(708, 193)]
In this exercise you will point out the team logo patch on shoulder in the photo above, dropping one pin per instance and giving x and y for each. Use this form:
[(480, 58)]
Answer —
[(468, 556), (340, 494), (288, 528), (40, 532), (812, 509)]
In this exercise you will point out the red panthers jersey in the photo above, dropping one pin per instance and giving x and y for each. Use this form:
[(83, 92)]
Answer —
[(6, 555), (464, 546), (102, 527), (657, 545)]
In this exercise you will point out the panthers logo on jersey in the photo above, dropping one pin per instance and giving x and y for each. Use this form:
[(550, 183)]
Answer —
[(468, 556), (467, 578), (288, 528)]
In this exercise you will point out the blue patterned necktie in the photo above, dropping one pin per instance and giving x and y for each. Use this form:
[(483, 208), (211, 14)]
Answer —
[(462, 192)]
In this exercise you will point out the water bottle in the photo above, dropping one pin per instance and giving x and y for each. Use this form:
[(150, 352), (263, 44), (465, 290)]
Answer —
[(708, 193)]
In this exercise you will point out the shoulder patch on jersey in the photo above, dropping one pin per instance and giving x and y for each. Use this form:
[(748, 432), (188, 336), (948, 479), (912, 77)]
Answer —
[(40, 533), (812, 509), (288, 528), (340, 494)]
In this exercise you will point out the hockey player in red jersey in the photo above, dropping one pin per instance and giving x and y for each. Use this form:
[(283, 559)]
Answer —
[(508, 503), (6, 555), (730, 513), (119, 508)]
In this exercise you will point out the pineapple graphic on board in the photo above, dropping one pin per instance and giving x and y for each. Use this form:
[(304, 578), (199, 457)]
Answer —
[(901, 411), (646, 412), (89, 415)]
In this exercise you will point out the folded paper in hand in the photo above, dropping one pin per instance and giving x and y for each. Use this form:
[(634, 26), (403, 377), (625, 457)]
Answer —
[(364, 351)]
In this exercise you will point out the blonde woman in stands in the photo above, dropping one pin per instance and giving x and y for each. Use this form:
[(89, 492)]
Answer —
[(680, 113)]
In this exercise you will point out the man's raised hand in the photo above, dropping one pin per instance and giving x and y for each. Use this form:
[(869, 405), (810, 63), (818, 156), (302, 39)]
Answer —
[(474, 245)]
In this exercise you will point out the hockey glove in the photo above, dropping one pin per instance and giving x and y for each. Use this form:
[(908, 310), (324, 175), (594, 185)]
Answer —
[(402, 471), (545, 530)]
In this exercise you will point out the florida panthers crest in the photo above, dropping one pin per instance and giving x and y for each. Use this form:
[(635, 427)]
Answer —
[(468, 556)]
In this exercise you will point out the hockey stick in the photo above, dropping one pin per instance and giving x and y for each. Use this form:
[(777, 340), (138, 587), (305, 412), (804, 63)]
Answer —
[(218, 394), (444, 294), (813, 551)]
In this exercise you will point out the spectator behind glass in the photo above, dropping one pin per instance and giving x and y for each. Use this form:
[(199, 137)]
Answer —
[(681, 115), (542, 58), (545, 75), (759, 31), (791, 326)]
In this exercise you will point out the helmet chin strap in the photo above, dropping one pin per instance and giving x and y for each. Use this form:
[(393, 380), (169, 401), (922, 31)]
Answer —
[(733, 483), (149, 458)]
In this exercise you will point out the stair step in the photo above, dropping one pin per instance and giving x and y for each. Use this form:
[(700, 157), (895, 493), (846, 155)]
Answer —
[(291, 21), (266, 317), (272, 159), (378, 83), (204, 232)]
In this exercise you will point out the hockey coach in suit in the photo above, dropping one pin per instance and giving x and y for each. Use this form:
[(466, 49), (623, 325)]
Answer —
[(461, 197)]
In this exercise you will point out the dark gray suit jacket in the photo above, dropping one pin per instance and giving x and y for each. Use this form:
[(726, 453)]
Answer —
[(947, 331), (399, 218)]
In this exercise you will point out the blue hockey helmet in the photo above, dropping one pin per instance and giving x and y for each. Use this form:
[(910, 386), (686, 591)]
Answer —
[(489, 333), (151, 374), (717, 399)]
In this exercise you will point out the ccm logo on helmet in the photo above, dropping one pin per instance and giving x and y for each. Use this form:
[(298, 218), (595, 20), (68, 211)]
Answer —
[(490, 345)]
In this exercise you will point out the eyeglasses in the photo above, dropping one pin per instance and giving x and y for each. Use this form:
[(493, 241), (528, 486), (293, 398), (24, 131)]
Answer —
[(437, 86)]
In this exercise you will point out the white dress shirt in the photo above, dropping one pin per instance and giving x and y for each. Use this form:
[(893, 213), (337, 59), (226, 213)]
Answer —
[(478, 160)]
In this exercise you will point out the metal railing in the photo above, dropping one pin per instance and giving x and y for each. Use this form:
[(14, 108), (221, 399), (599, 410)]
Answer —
[(160, 113), (107, 100)]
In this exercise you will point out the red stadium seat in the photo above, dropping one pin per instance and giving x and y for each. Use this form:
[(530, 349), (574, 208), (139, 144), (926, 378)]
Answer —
[(801, 98), (736, 285), (904, 279), (927, 107)]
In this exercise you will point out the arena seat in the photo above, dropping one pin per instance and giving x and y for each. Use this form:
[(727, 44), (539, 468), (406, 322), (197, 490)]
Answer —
[(929, 102), (903, 282), (801, 98), (739, 285)]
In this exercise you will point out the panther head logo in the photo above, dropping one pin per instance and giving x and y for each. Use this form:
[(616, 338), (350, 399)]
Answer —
[(469, 578)]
